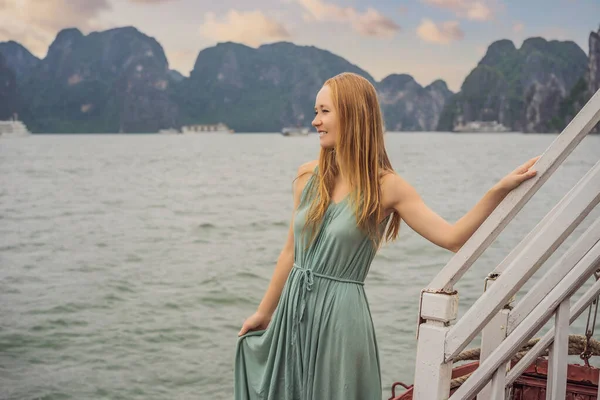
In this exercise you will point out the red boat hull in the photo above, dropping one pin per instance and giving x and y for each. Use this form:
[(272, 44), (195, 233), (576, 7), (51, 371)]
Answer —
[(582, 382)]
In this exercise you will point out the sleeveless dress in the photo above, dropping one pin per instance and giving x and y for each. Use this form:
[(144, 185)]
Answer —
[(320, 343)]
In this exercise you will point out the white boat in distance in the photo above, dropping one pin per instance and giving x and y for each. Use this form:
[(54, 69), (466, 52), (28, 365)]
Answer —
[(170, 131), (206, 128), (295, 131), (13, 128), (481, 127)]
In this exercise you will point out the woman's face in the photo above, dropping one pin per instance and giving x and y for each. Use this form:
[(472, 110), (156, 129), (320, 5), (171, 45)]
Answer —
[(326, 118)]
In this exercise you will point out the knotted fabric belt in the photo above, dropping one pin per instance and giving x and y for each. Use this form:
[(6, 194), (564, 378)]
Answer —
[(307, 279)]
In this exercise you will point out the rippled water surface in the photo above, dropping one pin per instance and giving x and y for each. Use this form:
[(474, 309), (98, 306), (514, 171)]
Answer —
[(128, 262)]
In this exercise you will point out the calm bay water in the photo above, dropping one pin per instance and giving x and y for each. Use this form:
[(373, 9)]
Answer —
[(128, 262)]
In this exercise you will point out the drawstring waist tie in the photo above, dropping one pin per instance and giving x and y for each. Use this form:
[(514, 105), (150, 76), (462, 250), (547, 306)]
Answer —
[(307, 279)]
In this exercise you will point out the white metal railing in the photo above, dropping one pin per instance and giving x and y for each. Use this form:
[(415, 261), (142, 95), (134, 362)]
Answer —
[(533, 252), (558, 271), (558, 298), (504, 331)]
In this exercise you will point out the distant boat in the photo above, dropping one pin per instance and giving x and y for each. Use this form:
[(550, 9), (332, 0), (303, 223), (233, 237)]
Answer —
[(294, 131), (481, 127), (13, 128), (206, 128), (170, 131)]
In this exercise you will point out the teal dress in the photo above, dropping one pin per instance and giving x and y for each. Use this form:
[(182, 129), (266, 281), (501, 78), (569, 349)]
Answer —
[(320, 343)]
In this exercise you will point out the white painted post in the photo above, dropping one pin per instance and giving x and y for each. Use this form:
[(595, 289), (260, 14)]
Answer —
[(556, 385), (432, 374), (549, 375), (498, 384), (491, 336), (495, 333)]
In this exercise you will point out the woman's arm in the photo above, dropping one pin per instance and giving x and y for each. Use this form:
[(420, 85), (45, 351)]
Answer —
[(285, 261), (406, 201)]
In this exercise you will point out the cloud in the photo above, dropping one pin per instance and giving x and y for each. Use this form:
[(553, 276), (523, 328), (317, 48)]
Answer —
[(518, 27), (369, 23), (476, 10), (29, 23), (252, 28), (65, 13), (372, 23), (443, 33)]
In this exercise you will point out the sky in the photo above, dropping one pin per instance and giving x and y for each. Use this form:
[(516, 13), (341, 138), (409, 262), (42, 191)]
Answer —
[(427, 39)]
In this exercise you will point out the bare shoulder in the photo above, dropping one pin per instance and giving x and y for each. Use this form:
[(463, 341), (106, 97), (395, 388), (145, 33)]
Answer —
[(394, 189), (307, 167), (304, 173)]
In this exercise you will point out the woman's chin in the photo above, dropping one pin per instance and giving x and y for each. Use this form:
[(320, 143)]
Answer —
[(325, 143)]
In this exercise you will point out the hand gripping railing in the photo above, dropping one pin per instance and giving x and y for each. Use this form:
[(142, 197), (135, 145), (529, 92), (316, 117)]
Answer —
[(439, 343)]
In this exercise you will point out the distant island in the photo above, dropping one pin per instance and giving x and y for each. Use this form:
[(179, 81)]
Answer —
[(119, 80)]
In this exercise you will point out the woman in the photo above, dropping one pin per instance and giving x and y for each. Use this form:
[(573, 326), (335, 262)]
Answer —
[(312, 337)]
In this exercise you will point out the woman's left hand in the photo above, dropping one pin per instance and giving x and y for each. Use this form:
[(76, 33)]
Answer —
[(518, 176)]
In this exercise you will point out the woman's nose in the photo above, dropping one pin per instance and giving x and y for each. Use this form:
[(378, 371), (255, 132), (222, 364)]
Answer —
[(316, 122)]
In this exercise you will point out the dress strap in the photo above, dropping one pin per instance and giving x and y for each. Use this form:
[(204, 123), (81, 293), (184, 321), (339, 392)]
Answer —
[(308, 187)]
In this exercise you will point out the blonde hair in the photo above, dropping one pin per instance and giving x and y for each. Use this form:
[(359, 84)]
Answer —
[(360, 153)]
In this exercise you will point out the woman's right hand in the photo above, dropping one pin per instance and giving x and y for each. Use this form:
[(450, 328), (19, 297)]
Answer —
[(255, 322)]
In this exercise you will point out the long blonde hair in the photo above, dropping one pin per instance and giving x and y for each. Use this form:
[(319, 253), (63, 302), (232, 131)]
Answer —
[(360, 152)]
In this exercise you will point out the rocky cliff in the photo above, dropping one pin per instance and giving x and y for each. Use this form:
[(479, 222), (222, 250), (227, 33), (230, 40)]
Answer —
[(592, 77), (593, 72), (18, 58), (261, 89), (522, 89), (8, 90), (111, 81), (584, 89), (407, 106), (275, 85), (119, 81)]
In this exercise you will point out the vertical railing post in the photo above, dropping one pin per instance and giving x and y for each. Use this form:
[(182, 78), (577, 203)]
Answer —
[(491, 336), (556, 385), (432, 373)]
